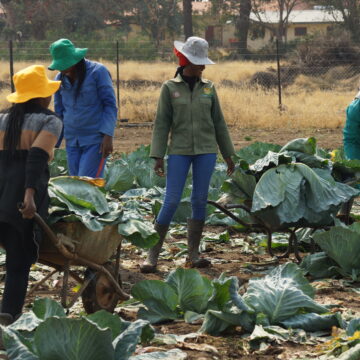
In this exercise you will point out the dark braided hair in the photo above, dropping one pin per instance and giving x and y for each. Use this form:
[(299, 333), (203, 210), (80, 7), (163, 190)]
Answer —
[(179, 70), (16, 116), (80, 69)]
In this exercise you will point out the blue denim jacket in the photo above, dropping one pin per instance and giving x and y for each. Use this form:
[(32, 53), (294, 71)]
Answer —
[(93, 113)]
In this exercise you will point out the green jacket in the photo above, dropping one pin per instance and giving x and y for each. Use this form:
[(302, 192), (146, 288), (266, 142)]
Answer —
[(193, 119)]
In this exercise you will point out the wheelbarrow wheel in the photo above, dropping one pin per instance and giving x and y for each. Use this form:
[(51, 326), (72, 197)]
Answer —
[(100, 293)]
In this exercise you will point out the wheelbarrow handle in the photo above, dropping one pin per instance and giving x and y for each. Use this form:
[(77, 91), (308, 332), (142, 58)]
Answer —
[(43, 225), (46, 228)]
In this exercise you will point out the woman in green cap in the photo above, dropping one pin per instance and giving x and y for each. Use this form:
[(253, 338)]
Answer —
[(86, 103)]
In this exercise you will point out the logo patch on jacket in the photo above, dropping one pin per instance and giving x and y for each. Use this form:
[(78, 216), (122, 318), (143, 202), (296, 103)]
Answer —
[(176, 94), (207, 91)]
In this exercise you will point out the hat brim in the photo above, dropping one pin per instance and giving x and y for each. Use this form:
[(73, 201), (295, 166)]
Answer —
[(193, 59), (63, 64), (17, 98)]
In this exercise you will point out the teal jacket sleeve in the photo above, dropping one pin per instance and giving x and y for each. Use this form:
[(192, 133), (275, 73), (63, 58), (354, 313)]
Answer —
[(162, 125), (223, 139), (351, 132)]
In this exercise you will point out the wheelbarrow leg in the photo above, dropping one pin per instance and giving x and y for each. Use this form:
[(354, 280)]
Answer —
[(64, 289), (35, 286), (83, 287), (117, 263), (345, 210)]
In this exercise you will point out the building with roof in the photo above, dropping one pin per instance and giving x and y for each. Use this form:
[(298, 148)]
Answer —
[(264, 26)]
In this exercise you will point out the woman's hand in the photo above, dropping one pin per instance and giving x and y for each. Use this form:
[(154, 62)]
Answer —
[(29, 208), (230, 165), (106, 146), (159, 167)]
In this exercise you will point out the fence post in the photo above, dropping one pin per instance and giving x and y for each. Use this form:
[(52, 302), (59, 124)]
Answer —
[(278, 74), (11, 59)]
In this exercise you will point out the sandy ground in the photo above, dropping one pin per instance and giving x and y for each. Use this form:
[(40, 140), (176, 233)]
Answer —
[(128, 139)]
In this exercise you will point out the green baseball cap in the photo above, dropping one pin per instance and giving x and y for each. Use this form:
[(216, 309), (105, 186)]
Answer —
[(65, 55)]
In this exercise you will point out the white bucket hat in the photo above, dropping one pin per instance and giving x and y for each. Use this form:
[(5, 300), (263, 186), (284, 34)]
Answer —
[(195, 49)]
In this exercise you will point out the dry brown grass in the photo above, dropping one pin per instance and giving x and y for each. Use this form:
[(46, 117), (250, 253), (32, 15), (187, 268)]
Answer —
[(309, 102)]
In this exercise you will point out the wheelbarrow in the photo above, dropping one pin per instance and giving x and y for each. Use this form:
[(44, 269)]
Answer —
[(258, 224), (67, 244)]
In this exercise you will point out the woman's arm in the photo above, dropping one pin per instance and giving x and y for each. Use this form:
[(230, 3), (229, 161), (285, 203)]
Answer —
[(222, 134), (221, 130), (59, 110), (37, 160), (106, 94), (162, 124), (29, 208)]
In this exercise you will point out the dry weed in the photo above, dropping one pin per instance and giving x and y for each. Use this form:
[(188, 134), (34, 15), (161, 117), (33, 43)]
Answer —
[(309, 102)]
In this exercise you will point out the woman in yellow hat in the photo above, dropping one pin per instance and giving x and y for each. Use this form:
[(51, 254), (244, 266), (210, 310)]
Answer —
[(28, 134)]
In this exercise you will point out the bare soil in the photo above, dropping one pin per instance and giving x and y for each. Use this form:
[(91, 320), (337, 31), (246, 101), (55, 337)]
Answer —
[(230, 260), (226, 258), (128, 139), (234, 262)]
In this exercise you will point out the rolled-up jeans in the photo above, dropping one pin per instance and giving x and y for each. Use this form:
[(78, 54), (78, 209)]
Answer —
[(178, 167)]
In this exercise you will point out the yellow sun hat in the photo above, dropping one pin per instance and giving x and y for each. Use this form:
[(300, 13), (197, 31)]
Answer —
[(31, 83)]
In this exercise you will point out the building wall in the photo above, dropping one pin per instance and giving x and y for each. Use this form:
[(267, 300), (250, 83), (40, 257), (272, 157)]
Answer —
[(229, 39)]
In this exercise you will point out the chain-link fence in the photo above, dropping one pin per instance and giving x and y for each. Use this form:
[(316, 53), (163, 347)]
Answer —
[(282, 74)]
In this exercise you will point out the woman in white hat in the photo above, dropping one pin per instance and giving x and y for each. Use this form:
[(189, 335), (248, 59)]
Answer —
[(188, 111), (28, 134)]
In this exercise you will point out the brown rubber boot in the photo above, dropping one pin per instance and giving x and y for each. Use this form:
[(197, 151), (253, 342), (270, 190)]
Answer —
[(344, 212), (195, 229), (149, 266)]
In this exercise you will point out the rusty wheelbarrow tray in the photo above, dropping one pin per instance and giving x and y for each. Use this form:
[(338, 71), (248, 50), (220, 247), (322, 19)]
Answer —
[(101, 284)]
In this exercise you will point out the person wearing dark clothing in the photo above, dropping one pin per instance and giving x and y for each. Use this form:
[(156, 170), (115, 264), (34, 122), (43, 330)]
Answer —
[(28, 134), (189, 111)]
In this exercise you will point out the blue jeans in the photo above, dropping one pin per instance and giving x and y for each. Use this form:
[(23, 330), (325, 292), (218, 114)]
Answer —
[(177, 170), (85, 160)]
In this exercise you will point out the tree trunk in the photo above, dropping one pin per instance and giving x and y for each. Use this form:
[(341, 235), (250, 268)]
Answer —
[(353, 20), (187, 16), (281, 27), (243, 24)]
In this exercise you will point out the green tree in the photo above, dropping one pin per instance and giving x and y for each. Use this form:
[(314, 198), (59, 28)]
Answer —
[(284, 9), (35, 18), (242, 24), (187, 16), (350, 14), (240, 11), (157, 17)]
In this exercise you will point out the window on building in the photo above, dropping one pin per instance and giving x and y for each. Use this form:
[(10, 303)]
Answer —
[(300, 31), (330, 29), (257, 31)]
